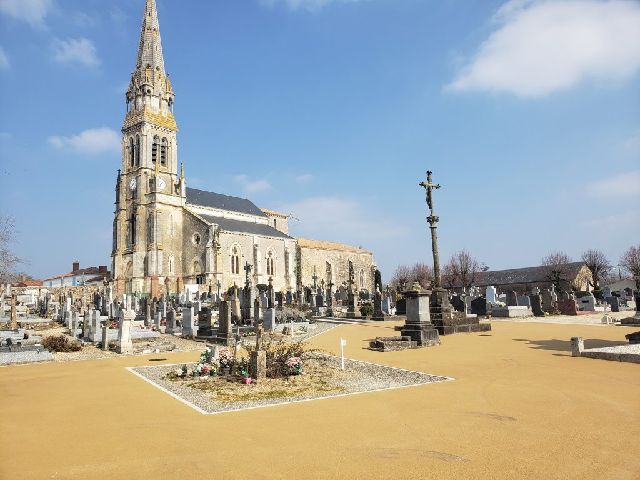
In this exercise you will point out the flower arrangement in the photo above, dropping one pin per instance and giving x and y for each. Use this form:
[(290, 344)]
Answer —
[(294, 365), (225, 358)]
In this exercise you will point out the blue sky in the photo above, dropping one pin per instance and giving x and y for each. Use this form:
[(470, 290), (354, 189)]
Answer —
[(526, 111)]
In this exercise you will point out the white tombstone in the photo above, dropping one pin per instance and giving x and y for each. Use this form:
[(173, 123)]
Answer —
[(587, 303), (491, 295), (189, 328), (125, 345), (386, 305)]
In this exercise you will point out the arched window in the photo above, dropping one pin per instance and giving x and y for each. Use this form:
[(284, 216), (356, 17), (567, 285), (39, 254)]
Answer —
[(171, 265), (271, 266), (235, 260), (132, 152), (137, 151), (154, 149), (164, 149), (361, 278)]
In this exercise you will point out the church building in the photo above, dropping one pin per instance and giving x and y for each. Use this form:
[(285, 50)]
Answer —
[(167, 236)]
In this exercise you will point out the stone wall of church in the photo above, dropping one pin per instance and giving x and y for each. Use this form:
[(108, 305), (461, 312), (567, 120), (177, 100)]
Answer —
[(195, 235), (255, 250), (334, 265)]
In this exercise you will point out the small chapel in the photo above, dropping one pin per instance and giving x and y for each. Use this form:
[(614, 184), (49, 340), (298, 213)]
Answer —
[(167, 236)]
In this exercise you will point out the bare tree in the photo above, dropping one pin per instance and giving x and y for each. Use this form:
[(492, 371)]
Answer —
[(8, 260), (598, 264), (422, 273), (464, 268), (448, 275), (401, 277), (557, 264), (630, 261)]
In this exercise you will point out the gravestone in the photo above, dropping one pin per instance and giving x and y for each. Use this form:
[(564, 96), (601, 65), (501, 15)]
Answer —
[(524, 301), (171, 327), (512, 299), (205, 323), (257, 311), (386, 305), (536, 305), (124, 344), (606, 292), (269, 320), (378, 315), (491, 295), (615, 304), (225, 332), (458, 303), (189, 328), (105, 337), (479, 306), (588, 303), (401, 306), (158, 321), (549, 300), (567, 307)]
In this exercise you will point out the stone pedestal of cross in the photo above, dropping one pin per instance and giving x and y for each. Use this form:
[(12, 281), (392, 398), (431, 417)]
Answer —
[(440, 308)]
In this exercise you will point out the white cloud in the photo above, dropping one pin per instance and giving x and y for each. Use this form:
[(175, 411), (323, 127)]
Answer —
[(627, 184), (542, 46), (75, 50), (310, 5), (91, 142), (31, 11), (4, 59), (252, 186), (333, 217)]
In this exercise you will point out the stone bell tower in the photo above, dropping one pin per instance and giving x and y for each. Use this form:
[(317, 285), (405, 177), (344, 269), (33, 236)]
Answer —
[(150, 191)]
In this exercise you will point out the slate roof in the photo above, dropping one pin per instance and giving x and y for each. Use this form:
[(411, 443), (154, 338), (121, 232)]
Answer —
[(231, 225), (223, 202), (523, 275)]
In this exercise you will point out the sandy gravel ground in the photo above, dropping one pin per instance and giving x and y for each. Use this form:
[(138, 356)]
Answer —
[(520, 408)]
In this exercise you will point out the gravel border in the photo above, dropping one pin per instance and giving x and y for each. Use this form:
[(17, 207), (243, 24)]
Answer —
[(367, 377)]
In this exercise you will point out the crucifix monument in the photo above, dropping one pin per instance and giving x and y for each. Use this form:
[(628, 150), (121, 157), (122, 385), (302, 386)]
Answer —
[(440, 308)]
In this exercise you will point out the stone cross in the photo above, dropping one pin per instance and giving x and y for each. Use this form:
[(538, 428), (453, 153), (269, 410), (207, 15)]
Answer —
[(351, 276), (247, 269), (433, 219), (315, 279)]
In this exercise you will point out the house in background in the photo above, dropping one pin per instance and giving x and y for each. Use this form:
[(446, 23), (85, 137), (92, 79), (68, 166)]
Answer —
[(576, 276), (79, 277)]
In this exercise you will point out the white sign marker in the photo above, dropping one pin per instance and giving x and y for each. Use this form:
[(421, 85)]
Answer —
[(343, 343)]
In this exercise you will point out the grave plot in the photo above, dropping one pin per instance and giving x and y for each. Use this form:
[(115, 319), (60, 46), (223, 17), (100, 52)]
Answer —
[(313, 376)]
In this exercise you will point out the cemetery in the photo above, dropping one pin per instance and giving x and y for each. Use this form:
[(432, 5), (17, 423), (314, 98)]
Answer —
[(219, 345)]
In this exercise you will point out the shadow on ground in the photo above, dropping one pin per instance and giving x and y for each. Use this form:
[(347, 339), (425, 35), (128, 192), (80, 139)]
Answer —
[(565, 345)]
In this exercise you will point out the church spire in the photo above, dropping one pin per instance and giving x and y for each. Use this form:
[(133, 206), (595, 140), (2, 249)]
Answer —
[(150, 49), (150, 86)]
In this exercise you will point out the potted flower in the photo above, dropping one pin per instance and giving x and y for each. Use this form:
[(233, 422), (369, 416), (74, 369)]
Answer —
[(294, 365), (225, 359), (244, 375)]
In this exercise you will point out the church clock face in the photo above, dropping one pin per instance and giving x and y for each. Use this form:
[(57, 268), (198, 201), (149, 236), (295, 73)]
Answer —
[(133, 183), (161, 184)]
